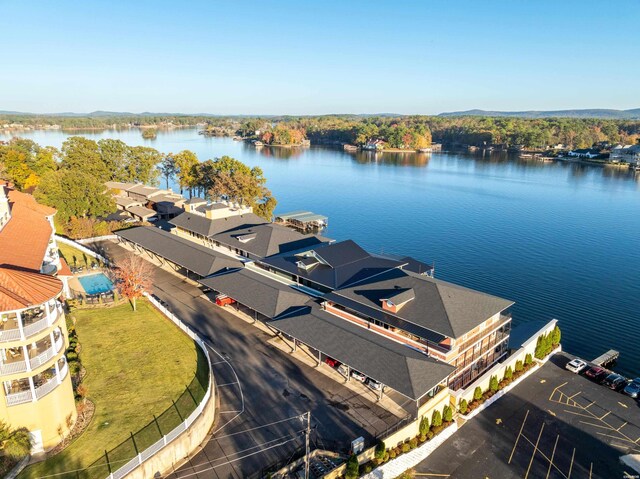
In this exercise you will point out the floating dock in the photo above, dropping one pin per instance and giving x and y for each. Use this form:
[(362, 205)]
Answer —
[(607, 358), (304, 221)]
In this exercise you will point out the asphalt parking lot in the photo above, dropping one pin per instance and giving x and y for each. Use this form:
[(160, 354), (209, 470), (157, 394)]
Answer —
[(262, 392), (555, 424)]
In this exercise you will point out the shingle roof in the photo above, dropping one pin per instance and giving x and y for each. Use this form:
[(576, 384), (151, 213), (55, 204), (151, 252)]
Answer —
[(262, 294), (25, 238), (406, 370), (350, 263), (204, 226), (145, 190), (442, 307), (126, 202), (194, 257), (266, 239), (21, 289), (118, 185), (141, 211)]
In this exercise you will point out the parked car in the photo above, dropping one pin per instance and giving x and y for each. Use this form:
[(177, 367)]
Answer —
[(615, 381), (344, 370), (358, 375), (633, 388), (334, 363), (576, 365), (223, 300), (373, 384), (597, 373)]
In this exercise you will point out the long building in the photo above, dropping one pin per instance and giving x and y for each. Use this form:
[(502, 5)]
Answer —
[(36, 388)]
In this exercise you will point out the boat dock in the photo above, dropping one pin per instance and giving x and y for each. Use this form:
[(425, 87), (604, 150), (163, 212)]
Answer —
[(304, 221), (607, 358)]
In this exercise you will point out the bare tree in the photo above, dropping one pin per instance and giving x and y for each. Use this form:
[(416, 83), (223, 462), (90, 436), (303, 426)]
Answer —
[(134, 277)]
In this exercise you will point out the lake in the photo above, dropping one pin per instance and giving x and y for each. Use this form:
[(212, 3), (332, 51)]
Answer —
[(562, 240)]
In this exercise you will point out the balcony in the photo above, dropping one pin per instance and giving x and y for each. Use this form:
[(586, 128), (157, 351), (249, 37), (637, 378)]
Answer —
[(17, 392), (44, 350), (31, 321)]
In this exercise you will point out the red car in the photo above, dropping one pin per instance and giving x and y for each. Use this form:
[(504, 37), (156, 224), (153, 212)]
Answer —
[(223, 300), (596, 373), (334, 363)]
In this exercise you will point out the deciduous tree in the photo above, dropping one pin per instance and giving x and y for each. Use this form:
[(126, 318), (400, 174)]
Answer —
[(134, 277)]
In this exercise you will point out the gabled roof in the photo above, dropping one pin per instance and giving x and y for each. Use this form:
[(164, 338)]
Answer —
[(400, 295), (126, 202), (204, 226), (340, 264), (406, 370), (441, 307), (147, 191), (141, 211), (194, 257), (195, 200), (118, 185), (21, 289), (25, 238), (260, 293), (266, 239)]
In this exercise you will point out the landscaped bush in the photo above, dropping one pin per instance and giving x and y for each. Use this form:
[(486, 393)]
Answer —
[(423, 428), (436, 419), (493, 384), (508, 374), (447, 414), (380, 451), (556, 335), (462, 407), (405, 447), (392, 454), (519, 366), (547, 342), (477, 393), (353, 469), (528, 359), (413, 443)]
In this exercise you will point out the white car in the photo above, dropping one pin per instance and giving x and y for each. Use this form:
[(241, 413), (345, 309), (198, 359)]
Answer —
[(373, 384), (576, 365), (358, 375)]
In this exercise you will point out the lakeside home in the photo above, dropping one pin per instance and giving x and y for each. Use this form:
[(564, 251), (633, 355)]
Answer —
[(36, 388)]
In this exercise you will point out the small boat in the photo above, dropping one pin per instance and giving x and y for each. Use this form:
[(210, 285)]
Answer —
[(350, 148), (258, 143), (424, 150)]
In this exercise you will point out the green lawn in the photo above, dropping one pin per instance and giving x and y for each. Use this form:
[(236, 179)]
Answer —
[(75, 257), (137, 364)]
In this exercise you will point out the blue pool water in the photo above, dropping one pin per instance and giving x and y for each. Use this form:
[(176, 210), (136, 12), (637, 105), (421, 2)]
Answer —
[(96, 283)]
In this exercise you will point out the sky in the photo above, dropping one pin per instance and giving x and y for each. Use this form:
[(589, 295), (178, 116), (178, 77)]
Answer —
[(318, 57)]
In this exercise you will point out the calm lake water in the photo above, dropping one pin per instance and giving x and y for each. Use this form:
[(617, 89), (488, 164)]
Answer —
[(562, 240)]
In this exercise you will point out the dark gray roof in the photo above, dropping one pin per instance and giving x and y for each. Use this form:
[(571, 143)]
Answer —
[(262, 294), (400, 295), (350, 263), (195, 200), (194, 257), (406, 370), (266, 239), (204, 226), (442, 307)]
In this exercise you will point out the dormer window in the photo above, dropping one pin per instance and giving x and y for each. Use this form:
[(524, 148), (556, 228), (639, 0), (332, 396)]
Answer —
[(397, 298), (308, 263), (246, 237)]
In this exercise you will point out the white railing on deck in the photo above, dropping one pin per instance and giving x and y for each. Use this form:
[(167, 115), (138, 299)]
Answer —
[(154, 448), (13, 368), (64, 370), (43, 357), (19, 398), (36, 327), (47, 387), (9, 335)]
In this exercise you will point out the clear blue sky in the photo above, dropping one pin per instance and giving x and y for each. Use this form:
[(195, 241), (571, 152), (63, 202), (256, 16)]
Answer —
[(311, 57)]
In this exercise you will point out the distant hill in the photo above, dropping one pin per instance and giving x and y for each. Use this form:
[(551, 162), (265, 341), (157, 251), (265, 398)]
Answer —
[(633, 114)]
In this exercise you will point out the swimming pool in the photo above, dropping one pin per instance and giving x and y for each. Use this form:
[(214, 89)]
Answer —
[(96, 283)]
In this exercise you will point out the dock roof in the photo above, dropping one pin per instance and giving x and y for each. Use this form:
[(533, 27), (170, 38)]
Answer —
[(442, 307), (302, 216), (206, 227), (192, 256), (262, 294), (404, 369)]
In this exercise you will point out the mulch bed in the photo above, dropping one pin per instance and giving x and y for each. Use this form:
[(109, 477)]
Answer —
[(84, 419)]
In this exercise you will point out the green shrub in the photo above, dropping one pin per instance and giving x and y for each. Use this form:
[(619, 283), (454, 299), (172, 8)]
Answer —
[(72, 356), (430, 435), (528, 359), (413, 443), (406, 447), (436, 419), (463, 406), (424, 426), (367, 468), (556, 335), (508, 374), (447, 414), (380, 450), (477, 393), (392, 454), (493, 384), (353, 469), (386, 456), (519, 366), (422, 438)]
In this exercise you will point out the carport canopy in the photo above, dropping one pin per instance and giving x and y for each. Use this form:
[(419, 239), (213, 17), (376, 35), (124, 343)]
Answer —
[(409, 372), (194, 257)]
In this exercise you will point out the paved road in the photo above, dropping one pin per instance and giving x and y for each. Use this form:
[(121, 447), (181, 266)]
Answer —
[(257, 385), (555, 424)]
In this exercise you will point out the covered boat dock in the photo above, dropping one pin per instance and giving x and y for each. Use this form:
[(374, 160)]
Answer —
[(303, 220)]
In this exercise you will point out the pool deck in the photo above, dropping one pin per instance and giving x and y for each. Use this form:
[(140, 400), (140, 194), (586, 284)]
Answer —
[(74, 282)]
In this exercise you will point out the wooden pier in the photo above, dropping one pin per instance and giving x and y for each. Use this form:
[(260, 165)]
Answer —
[(607, 358)]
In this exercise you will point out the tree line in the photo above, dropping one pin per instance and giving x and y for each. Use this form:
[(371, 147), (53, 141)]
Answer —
[(72, 179)]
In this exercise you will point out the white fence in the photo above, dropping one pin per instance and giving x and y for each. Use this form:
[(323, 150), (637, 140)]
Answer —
[(167, 438)]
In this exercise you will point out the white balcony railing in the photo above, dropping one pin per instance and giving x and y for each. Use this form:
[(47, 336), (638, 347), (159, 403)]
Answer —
[(35, 328), (13, 368), (47, 387), (47, 354), (64, 370), (9, 335), (19, 398)]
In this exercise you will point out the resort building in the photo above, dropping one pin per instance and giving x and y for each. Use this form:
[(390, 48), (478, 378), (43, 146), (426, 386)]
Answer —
[(36, 386), (145, 203)]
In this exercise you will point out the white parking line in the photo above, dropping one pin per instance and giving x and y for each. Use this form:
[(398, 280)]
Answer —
[(227, 384)]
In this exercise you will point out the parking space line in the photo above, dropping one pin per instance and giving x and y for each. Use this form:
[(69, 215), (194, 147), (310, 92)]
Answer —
[(571, 397), (573, 455), (595, 425), (615, 437), (545, 456), (554, 391), (622, 426), (535, 449), (590, 470), (518, 438), (227, 384), (581, 415), (587, 407), (606, 414), (552, 454)]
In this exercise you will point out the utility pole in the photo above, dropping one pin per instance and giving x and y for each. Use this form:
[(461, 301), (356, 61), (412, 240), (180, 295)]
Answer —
[(306, 457)]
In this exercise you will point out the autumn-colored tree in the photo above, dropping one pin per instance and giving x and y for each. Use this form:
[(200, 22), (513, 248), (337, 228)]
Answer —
[(134, 277)]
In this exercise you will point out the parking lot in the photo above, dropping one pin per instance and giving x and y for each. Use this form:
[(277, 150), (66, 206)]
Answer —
[(262, 392), (555, 424)]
